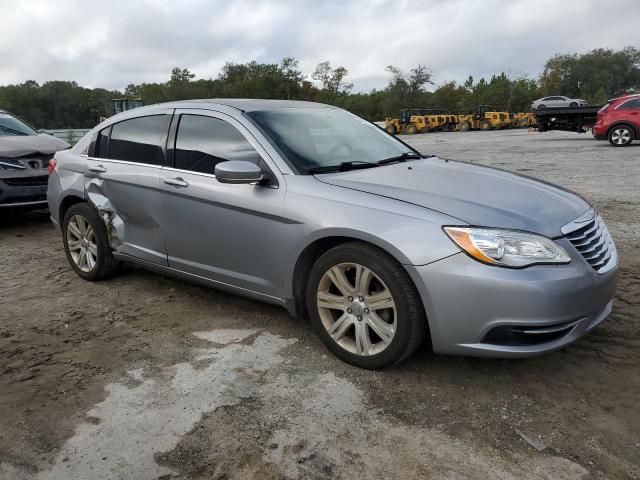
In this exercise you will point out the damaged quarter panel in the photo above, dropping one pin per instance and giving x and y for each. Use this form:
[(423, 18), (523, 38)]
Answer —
[(67, 180)]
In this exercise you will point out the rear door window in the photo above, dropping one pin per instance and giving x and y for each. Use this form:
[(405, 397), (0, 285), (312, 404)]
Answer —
[(202, 142), (139, 140), (101, 150)]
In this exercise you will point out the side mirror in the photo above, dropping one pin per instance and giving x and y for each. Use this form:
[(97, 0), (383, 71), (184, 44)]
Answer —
[(238, 171)]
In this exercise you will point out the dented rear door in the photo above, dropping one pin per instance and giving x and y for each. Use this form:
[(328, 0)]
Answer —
[(122, 181)]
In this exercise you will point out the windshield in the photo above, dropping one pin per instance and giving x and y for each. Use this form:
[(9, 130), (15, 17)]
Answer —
[(318, 138), (10, 125)]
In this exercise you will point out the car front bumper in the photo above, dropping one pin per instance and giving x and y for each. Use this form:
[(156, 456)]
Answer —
[(479, 310), (22, 194)]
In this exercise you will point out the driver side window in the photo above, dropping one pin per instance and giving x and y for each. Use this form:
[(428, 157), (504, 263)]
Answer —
[(202, 142)]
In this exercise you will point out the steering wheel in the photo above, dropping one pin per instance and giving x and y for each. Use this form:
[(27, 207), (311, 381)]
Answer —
[(337, 147)]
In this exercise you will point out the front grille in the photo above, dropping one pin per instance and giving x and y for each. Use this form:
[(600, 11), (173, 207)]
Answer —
[(595, 244), (35, 181)]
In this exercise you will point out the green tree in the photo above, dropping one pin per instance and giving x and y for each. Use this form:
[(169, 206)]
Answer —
[(332, 79)]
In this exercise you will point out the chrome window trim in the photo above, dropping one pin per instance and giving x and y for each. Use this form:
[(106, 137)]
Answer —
[(125, 162), (189, 172)]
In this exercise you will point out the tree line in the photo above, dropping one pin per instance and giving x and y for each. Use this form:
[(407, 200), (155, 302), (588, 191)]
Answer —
[(595, 76)]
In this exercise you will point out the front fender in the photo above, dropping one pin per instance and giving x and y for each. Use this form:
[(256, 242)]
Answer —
[(411, 234)]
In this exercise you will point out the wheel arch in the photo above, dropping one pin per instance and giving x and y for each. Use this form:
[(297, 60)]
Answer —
[(625, 123), (66, 203), (318, 246)]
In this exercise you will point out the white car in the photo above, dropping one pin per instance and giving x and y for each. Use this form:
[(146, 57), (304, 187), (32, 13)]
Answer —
[(558, 101)]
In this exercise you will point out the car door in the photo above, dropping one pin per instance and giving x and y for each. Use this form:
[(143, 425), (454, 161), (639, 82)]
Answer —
[(555, 102), (122, 181), (228, 233), (631, 109)]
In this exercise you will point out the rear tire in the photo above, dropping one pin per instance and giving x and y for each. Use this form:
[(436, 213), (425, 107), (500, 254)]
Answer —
[(86, 243), (540, 107), (621, 136), (383, 300), (464, 126), (485, 125)]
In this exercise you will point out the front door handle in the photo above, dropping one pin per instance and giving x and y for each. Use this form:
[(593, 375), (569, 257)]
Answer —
[(176, 182), (97, 169)]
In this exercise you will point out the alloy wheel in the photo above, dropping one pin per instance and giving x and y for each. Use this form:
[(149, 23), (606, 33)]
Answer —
[(81, 240), (621, 136), (357, 309)]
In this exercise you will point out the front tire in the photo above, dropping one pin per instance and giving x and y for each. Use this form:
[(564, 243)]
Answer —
[(621, 136), (485, 125), (364, 307), (86, 243), (411, 129)]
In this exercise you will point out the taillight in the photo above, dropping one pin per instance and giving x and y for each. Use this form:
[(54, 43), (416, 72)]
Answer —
[(52, 165)]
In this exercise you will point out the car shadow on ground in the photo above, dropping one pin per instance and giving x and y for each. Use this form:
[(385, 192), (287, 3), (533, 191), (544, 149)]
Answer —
[(10, 218)]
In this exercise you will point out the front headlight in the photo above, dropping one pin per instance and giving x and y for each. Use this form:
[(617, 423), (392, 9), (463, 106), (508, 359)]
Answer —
[(507, 248)]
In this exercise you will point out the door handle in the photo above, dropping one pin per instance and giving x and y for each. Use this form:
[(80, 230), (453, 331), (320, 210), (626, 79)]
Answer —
[(97, 169), (176, 182)]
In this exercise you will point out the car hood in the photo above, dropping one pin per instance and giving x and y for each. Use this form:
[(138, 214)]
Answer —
[(24, 145), (475, 194)]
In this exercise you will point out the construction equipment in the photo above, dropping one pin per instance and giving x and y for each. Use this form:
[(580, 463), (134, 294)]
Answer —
[(523, 120), (415, 120), (484, 117)]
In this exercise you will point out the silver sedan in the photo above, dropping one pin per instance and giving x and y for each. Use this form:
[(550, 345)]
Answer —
[(312, 208), (557, 101)]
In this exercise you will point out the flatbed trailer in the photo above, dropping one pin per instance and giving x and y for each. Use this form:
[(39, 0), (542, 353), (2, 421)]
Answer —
[(572, 119)]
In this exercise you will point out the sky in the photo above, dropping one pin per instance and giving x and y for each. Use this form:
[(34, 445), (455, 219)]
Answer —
[(113, 43)]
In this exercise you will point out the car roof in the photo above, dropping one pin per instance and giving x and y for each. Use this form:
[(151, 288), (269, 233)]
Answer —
[(624, 97), (243, 104)]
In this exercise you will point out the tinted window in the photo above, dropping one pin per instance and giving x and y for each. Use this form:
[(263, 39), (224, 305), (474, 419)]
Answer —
[(631, 104), (139, 139), (102, 144), (202, 142)]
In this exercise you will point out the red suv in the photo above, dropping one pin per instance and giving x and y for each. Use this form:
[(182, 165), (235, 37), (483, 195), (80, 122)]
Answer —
[(619, 121)]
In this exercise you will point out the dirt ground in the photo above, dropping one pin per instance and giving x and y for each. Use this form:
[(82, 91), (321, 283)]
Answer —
[(144, 376)]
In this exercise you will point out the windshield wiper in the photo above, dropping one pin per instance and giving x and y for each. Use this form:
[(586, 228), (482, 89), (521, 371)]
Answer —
[(342, 167), (401, 158)]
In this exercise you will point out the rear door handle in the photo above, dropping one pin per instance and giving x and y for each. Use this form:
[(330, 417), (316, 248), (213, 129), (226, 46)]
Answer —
[(97, 169), (176, 182)]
